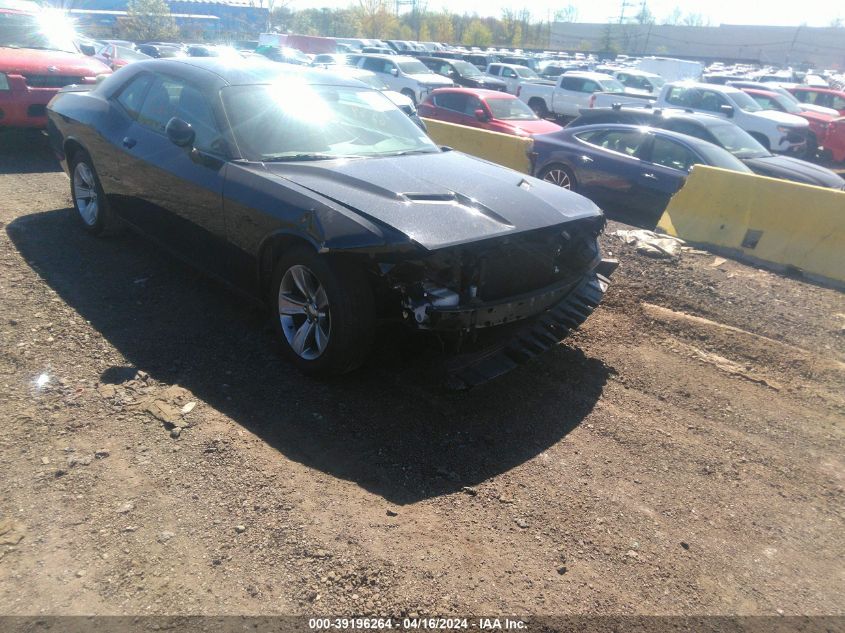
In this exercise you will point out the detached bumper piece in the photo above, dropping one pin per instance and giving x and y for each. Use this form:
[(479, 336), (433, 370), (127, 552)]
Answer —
[(537, 336)]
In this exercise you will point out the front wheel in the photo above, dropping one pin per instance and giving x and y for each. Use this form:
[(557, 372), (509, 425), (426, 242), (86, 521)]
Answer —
[(323, 311), (410, 94), (559, 175)]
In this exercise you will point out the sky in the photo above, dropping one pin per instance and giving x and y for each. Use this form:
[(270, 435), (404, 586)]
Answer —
[(777, 13)]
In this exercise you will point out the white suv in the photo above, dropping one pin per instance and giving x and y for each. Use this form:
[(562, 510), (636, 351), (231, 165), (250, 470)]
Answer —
[(407, 75), (777, 131)]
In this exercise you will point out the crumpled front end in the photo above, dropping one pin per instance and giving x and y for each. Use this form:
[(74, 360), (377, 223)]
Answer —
[(549, 279)]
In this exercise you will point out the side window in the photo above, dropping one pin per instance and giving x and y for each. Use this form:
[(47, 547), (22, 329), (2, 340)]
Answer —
[(373, 64), (160, 105), (590, 86), (838, 103), (571, 83), (493, 69), (472, 104), (132, 95), (451, 101), (671, 154), (170, 98), (622, 141), (195, 109), (508, 72), (685, 127), (623, 78), (711, 101), (679, 96), (803, 96), (389, 66)]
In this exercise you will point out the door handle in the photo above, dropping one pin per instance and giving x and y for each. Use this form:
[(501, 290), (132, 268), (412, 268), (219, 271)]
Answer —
[(129, 143), (650, 176)]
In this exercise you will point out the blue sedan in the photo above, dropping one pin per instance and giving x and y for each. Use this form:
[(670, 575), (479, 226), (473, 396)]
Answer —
[(625, 167)]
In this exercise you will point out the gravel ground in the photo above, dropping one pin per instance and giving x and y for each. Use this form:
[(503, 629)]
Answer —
[(681, 454)]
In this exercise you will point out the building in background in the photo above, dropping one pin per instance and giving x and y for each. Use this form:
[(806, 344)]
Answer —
[(198, 20), (777, 45)]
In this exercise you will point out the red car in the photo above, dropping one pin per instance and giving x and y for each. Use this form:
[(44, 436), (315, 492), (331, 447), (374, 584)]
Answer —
[(819, 123), (37, 58), (115, 56), (827, 97), (488, 109)]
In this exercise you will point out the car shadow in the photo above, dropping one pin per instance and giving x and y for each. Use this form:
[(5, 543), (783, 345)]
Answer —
[(391, 427), (26, 152)]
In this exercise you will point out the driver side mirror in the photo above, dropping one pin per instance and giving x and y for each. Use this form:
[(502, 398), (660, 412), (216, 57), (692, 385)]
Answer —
[(180, 132), (727, 110), (481, 115), (394, 72), (87, 49)]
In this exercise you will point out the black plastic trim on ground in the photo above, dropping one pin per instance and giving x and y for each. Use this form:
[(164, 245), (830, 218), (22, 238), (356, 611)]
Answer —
[(538, 336)]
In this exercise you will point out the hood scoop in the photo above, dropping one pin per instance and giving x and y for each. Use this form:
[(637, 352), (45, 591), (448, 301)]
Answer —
[(465, 203)]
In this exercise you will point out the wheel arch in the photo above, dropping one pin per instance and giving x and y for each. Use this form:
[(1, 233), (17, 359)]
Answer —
[(272, 248)]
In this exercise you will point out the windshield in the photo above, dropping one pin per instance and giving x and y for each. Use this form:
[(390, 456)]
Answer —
[(611, 85), (307, 122), (372, 80), (718, 157), (787, 105), (128, 54), (414, 68), (465, 68), (745, 102), (48, 31), (737, 141), (511, 110), (525, 73)]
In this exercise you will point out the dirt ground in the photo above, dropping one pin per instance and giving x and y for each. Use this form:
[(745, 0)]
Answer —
[(681, 454)]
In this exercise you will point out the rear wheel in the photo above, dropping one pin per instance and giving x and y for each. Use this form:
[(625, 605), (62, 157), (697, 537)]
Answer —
[(89, 201), (559, 175), (323, 312), (539, 107)]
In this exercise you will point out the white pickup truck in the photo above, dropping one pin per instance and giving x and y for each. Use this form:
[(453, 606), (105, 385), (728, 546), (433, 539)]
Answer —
[(576, 90), (515, 76), (776, 131)]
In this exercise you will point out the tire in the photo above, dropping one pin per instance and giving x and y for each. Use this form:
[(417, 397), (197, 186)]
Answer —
[(90, 203), (410, 94), (539, 107), (812, 151), (763, 140), (559, 175), (323, 312)]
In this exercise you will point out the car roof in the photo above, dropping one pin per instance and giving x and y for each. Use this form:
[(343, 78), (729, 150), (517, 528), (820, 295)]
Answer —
[(706, 86), (392, 58), (481, 93), (666, 113), (241, 71), (815, 89), (682, 138), (588, 75)]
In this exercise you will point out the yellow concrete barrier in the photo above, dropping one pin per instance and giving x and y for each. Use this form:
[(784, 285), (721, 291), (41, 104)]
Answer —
[(762, 219), (504, 149)]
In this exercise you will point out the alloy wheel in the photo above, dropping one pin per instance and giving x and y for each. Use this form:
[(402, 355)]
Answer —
[(304, 312), (558, 177), (85, 193)]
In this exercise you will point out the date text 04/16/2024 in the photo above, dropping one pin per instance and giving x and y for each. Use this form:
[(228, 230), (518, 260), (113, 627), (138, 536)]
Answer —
[(432, 623)]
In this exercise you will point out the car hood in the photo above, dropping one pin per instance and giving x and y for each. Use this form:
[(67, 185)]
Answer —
[(440, 199), (781, 118), (398, 99), (796, 170), (812, 107), (432, 80), (27, 61), (533, 127), (481, 82)]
